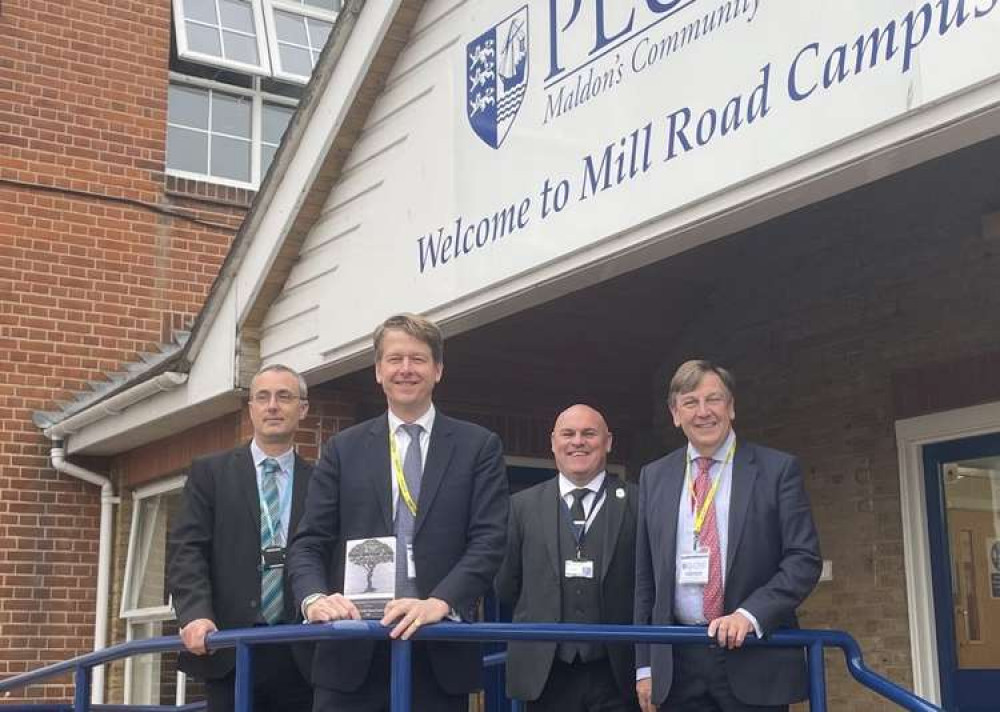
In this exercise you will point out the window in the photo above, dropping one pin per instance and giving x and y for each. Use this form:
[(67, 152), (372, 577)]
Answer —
[(151, 679), (297, 32), (278, 38), (223, 132)]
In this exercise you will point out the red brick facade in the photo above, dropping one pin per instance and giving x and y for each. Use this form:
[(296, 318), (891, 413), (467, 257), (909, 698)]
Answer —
[(100, 259)]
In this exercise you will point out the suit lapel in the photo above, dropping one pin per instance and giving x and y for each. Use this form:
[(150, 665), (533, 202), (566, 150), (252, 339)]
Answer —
[(672, 489), (744, 476), (300, 483), (380, 471), (439, 452), (548, 504), (246, 476), (614, 508)]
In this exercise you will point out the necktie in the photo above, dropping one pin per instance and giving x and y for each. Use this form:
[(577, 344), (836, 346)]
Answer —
[(708, 538), (271, 580), (413, 468), (576, 510)]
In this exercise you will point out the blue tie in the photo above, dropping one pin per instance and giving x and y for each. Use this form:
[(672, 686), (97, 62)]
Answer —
[(271, 580), (412, 471)]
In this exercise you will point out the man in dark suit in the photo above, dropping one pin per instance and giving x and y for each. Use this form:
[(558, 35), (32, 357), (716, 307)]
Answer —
[(726, 538), (227, 549), (571, 559), (435, 483)]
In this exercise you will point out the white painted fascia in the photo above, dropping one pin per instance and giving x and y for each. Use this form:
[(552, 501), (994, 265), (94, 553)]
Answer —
[(912, 435), (324, 124)]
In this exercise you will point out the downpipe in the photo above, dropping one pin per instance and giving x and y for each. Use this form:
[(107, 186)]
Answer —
[(108, 501)]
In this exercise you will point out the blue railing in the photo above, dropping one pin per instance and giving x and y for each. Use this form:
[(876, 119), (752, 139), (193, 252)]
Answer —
[(814, 641)]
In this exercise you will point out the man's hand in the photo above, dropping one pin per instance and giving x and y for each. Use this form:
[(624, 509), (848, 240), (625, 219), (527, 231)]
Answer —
[(193, 635), (413, 613), (730, 630), (644, 690), (334, 607)]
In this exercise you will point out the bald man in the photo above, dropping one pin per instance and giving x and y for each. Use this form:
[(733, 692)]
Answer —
[(571, 559)]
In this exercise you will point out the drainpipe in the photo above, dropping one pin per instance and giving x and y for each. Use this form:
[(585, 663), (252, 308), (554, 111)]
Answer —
[(108, 501)]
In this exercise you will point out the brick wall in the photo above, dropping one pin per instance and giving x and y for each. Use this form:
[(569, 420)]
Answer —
[(98, 262), (820, 314)]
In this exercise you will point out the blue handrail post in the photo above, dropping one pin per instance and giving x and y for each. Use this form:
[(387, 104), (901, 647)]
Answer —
[(244, 678), (81, 695), (402, 676), (817, 677)]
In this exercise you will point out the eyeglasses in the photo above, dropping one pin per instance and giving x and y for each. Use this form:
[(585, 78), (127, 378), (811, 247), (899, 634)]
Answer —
[(283, 397)]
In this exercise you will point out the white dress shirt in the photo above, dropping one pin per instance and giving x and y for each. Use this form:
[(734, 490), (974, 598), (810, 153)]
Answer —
[(590, 508)]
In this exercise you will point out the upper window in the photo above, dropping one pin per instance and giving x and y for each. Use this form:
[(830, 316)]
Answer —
[(279, 38), (222, 132)]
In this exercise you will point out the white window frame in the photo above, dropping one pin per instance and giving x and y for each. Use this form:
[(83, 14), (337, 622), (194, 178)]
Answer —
[(271, 23), (184, 51), (258, 98), (912, 435), (150, 614)]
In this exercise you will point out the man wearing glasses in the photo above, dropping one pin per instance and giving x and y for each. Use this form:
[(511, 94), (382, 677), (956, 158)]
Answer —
[(227, 549)]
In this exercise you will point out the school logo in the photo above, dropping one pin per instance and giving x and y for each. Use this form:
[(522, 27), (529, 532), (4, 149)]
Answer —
[(496, 73)]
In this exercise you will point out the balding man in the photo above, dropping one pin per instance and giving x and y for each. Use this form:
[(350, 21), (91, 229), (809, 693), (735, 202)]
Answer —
[(571, 559)]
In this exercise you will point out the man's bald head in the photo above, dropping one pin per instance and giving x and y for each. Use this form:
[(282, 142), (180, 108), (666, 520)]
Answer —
[(581, 442)]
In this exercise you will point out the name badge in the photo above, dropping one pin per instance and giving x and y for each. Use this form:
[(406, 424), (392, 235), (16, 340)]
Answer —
[(579, 569), (411, 567), (694, 568)]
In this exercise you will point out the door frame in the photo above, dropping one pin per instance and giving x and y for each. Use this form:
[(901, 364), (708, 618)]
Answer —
[(912, 434)]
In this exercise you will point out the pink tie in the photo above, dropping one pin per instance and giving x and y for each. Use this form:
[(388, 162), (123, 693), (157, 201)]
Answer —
[(709, 539)]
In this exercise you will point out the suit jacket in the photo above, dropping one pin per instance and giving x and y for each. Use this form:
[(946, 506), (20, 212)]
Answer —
[(772, 564), (458, 538), (214, 552), (531, 577)]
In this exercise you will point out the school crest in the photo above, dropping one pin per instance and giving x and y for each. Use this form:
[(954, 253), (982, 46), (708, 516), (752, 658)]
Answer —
[(496, 73)]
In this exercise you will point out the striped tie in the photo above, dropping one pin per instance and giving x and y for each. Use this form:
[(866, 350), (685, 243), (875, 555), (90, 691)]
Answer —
[(712, 595), (271, 580)]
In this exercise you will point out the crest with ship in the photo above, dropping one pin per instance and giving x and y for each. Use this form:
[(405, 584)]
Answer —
[(497, 77)]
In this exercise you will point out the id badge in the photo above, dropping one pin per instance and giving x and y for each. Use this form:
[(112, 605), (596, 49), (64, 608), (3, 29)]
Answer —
[(579, 569), (411, 567), (694, 568)]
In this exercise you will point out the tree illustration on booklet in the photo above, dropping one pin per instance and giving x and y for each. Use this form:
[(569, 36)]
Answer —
[(368, 555)]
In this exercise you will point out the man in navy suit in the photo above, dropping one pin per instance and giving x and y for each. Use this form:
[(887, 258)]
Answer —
[(227, 547), (435, 483), (725, 538)]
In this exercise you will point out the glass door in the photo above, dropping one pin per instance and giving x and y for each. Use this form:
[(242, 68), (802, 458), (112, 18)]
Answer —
[(963, 511)]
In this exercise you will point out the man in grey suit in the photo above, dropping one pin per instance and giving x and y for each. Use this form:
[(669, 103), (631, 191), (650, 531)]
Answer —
[(725, 538), (225, 567), (571, 559)]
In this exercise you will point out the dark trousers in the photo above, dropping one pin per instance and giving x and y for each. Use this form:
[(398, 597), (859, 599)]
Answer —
[(278, 685), (581, 687), (701, 684), (373, 695)]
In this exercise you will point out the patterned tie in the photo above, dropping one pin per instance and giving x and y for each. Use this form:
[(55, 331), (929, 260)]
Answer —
[(413, 467), (709, 539), (271, 594)]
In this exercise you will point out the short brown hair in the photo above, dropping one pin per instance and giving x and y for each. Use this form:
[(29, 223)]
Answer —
[(418, 327), (689, 375)]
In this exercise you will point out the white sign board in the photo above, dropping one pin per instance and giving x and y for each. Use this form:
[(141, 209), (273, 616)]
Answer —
[(556, 125)]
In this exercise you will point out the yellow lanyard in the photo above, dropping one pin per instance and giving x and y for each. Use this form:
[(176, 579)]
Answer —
[(699, 518), (397, 471)]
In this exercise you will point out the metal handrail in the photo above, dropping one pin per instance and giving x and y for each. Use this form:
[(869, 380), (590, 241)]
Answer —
[(814, 641)]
